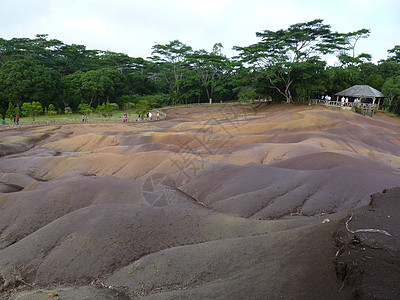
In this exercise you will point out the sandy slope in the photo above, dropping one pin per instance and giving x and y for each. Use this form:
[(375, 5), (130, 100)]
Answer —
[(213, 202)]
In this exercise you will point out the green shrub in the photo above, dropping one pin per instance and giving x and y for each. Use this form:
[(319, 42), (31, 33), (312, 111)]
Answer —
[(11, 111), (51, 110), (129, 106), (84, 108), (357, 109), (68, 110), (107, 109), (153, 101)]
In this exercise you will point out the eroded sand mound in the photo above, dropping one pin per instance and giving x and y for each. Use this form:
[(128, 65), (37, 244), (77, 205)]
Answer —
[(291, 187), (15, 141), (247, 201)]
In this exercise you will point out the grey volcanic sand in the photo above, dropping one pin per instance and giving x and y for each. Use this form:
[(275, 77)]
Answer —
[(222, 201)]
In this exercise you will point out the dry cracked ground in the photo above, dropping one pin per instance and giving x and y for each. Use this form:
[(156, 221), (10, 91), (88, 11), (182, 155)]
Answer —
[(224, 201)]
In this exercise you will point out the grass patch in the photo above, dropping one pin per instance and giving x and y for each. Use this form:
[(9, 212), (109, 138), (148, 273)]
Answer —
[(75, 118), (391, 114)]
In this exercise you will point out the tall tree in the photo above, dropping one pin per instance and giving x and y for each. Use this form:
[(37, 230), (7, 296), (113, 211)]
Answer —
[(142, 78), (391, 88), (171, 60), (39, 50), (309, 79), (72, 93), (120, 61), (211, 70), (102, 85), (280, 52), (5, 51), (22, 81), (348, 52), (74, 58)]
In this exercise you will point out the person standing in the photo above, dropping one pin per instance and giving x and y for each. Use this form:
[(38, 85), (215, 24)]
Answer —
[(17, 120)]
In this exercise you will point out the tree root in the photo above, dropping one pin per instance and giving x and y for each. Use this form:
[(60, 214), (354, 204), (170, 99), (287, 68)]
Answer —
[(365, 230)]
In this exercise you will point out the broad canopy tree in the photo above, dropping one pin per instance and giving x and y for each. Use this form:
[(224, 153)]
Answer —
[(281, 53), (211, 70), (171, 62), (191, 74), (92, 87), (22, 80), (348, 52)]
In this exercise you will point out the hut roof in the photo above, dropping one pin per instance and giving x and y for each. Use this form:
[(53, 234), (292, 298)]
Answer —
[(361, 91)]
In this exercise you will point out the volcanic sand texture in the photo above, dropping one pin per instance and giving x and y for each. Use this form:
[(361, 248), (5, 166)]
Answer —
[(184, 207)]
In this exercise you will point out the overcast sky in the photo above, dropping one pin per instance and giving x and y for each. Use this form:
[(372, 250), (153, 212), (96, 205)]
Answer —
[(134, 26)]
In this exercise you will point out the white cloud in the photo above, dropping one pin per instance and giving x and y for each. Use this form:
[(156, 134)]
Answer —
[(89, 26)]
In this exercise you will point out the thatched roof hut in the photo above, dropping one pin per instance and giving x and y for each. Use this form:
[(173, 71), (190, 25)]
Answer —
[(362, 92)]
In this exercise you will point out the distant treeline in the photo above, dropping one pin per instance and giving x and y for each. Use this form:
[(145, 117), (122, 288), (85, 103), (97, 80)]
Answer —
[(285, 65)]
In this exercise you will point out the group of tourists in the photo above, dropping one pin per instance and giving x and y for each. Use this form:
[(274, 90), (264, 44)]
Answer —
[(84, 118), (344, 101), (149, 116), (16, 120), (327, 99)]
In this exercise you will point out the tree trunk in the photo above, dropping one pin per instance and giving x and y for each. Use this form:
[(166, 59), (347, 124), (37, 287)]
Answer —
[(287, 94)]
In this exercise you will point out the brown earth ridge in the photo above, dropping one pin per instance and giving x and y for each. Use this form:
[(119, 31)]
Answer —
[(243, 201)]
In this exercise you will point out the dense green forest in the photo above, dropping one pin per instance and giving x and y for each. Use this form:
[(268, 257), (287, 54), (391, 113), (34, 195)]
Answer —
[(289, 65)]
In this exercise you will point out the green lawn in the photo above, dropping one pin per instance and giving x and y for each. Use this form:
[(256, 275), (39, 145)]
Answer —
[(72, 118)]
